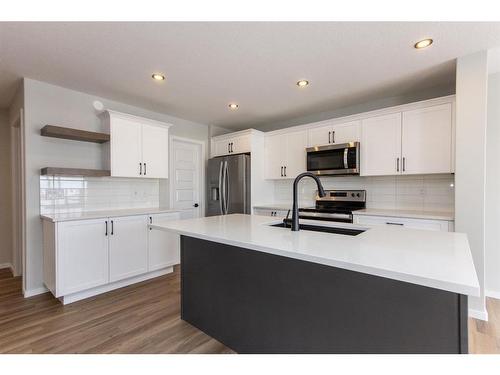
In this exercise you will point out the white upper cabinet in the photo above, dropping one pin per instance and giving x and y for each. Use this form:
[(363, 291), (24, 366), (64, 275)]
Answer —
[(275, 147), (295, 154), (138, 146), (154, 151), (125, 147), (427, 140), (233, 143), (285, 154), (334, 133), (417, 141), (380, 146)]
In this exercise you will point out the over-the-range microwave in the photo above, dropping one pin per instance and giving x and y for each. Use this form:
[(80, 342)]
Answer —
[(337, 159)]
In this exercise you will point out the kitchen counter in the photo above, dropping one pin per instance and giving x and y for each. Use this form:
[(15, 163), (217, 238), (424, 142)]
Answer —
[(434, 259), (412, 214), (105, 213)]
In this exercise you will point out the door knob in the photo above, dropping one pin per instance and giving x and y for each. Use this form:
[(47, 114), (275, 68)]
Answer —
[(195, 205)]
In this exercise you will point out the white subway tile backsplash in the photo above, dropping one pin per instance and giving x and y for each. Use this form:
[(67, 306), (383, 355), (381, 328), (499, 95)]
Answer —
[(422, 192), (80, 194)]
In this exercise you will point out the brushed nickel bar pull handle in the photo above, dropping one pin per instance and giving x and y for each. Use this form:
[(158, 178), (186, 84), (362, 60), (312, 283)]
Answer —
[(285, 170), (281, 171), (389, 223), (333, 136), (404, 164), (140, 169), (112, 228), (397, 164), (145, 170), (106, 233), (329, 134)]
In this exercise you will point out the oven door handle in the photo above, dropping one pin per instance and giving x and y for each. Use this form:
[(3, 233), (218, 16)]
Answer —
[(327, 216), (346, 164)]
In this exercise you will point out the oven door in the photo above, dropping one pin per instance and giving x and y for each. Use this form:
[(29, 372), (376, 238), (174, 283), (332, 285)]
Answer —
[(338, 217), (333, 159)]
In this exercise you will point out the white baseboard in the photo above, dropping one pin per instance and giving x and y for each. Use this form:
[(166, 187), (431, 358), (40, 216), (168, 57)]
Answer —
[(7, 265), (35, 292), (478, 314), (492, 294), (70, 298)]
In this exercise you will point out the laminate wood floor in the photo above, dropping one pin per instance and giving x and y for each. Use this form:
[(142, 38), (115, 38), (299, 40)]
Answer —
[(142, 318)]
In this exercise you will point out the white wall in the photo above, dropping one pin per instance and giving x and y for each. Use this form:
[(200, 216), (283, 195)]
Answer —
[(492, 239), (5, 192), (470, 165), (49, 104)]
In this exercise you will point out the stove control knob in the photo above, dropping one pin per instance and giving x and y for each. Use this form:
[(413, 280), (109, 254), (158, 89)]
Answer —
[(352, 194), (359, 195)]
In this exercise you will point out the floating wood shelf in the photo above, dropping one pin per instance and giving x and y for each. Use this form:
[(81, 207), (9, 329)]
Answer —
[(54, 171), (74, 134)]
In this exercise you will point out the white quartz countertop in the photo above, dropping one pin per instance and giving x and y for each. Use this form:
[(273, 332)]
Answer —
[(105, 213), (440, 260), (411, 214)]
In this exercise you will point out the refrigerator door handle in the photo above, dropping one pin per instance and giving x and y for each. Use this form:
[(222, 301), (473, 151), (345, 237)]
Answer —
[(221, 192), (226, 188)]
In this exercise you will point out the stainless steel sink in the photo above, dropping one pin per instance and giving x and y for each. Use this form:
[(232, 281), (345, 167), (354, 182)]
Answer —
[(321, 228)]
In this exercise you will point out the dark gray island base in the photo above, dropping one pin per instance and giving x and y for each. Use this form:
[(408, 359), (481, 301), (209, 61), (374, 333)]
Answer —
[(255, 302)]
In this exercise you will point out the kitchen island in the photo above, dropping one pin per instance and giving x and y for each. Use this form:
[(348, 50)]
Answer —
[(264, 289)]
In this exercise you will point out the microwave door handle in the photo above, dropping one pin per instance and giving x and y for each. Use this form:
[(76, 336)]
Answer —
[(346, 164)]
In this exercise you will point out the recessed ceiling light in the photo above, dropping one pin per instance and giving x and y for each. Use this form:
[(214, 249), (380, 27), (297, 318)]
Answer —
[(423, 43), (302, 83), (158, 77), (233, 106)]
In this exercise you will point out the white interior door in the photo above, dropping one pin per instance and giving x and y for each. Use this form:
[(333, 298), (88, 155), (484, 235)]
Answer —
[(186, 177), (155, 151)]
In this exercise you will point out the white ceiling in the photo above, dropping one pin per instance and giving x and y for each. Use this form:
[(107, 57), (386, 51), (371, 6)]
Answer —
[(256, 65)]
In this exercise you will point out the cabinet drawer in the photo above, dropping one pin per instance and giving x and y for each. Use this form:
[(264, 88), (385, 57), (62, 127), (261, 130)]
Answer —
[(437, 225)]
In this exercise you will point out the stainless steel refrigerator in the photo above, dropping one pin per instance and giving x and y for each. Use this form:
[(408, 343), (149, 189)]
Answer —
[(228, 185)]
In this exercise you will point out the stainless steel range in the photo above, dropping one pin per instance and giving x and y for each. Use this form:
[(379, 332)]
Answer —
[(336, 205)]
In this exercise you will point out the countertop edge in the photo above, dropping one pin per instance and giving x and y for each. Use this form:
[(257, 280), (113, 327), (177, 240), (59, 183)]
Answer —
[(394, 275), (104, 214)]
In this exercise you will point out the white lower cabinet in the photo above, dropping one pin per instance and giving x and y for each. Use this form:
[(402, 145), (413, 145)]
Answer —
[(82, 258), (128, 254), (163, 247), (437, 225)]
